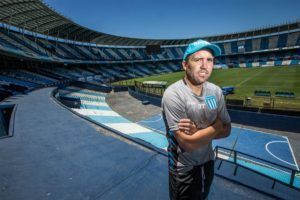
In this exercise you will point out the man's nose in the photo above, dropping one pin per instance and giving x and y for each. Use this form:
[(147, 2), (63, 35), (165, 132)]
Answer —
[(204, 63)]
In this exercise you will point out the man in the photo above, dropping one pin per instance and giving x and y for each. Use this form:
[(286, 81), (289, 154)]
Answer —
[(194, 112)]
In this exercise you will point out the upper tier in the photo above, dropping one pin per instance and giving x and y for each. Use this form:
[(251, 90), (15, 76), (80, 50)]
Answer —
[(34, 15)]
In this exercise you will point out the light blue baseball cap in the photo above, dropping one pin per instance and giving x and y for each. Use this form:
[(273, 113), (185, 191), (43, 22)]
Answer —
[(199, 45)]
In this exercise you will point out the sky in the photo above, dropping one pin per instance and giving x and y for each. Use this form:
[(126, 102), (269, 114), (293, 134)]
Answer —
[(176, 19)]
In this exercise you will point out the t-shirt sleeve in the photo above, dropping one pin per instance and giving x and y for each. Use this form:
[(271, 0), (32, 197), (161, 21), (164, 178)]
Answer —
[(222, 110), (173, 109)]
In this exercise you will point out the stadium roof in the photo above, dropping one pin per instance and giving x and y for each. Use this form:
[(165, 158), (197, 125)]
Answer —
[(36, 16)]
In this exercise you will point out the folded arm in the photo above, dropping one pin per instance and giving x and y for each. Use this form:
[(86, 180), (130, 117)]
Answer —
[(191, 138)]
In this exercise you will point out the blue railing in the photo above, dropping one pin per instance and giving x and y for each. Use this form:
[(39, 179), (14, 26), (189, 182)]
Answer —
[(276, 172)]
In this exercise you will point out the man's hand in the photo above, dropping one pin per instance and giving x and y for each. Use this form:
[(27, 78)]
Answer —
[(222, 130), (190, 138), (187, 126), (218, 125)]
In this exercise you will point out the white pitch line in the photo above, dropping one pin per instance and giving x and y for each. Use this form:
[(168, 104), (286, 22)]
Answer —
[(293, 154), (259, 131), (128, 128), (87, 95), (94, 103), (153, 129), (95, 112), (84, 90), (267, 149), (146, 121)]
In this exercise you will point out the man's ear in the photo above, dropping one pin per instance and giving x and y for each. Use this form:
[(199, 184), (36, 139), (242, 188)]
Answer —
[(184, 65)]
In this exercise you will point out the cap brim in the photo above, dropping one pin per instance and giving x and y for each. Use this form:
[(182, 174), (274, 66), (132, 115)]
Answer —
[(216, 50)]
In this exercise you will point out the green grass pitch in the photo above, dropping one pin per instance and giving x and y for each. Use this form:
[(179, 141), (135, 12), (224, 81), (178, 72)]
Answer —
[(246, 81)]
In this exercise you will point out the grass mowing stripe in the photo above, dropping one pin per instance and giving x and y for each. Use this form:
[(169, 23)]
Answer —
[(251, 77)]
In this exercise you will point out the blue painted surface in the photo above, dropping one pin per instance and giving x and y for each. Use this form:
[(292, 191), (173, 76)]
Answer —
[(87, 92), (95, 107), (108, 119), (254, 143), (269, 171), (228, 142), (243, 140), (96, 99), (153, 138), (55, 155), (246, 141), (155, 122), (156, 139), (297, 182)]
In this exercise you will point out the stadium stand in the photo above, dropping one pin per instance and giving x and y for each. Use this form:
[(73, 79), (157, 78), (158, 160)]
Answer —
[(264, 46), (56, 51)]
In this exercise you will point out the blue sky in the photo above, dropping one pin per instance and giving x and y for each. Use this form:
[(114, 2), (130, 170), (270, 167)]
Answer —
[(176, 19)]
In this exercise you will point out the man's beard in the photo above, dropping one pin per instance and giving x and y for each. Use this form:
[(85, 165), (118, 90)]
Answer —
[(192, 77)]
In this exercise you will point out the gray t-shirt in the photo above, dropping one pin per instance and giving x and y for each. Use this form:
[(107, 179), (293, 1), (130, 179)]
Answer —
[(180, 102)]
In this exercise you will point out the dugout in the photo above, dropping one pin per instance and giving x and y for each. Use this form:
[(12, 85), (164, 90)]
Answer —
[(151, 87), (228, 90)]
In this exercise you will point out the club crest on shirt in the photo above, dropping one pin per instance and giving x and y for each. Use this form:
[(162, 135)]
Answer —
[(211, 102)]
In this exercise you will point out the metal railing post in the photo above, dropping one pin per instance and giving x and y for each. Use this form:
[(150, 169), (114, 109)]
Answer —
[(234, 156), (292, 177)]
